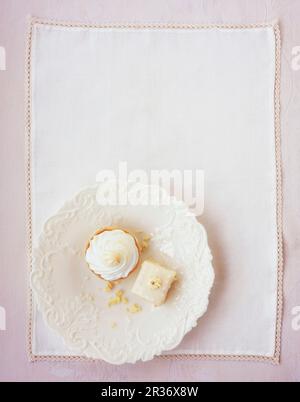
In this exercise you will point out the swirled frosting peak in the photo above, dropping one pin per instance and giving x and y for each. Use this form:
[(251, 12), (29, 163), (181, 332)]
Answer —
[(112, 254)]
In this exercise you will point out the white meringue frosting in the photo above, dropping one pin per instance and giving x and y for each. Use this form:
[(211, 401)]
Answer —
[(112, 254)]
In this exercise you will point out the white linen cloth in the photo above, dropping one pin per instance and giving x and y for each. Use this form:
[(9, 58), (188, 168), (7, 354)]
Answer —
[(164, 99)]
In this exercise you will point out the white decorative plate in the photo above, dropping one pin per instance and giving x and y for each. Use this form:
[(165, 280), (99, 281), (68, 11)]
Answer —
[(74, 303)]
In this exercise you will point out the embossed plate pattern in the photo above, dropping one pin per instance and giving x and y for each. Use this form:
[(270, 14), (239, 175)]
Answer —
[(74, 303)]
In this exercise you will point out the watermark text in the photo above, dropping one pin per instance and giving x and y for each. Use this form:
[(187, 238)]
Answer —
[(185, 185), (2, 58), (296, 58), (296, 318), (2, 319)]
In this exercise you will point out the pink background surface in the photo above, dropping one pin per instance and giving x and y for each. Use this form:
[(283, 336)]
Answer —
[(14, 364)]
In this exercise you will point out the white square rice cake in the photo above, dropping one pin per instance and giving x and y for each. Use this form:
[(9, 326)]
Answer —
[(153, 282)]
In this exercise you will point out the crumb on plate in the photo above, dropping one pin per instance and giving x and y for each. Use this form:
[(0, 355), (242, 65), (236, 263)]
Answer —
[(119, 298), (109, 286), (134, 308)]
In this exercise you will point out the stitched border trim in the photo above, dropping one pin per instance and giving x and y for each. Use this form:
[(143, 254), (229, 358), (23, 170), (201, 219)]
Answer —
[(28, 114)]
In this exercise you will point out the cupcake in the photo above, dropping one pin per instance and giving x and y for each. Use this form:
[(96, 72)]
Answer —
[(112, 254)]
